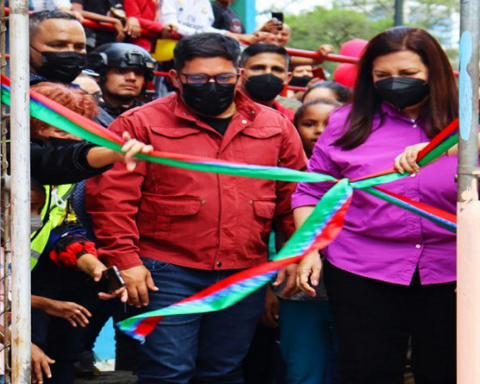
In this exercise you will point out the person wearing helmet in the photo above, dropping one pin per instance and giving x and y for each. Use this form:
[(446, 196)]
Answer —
[(124, 71)]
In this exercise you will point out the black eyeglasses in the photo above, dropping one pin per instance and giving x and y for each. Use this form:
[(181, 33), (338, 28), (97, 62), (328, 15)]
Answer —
[(200, 79)]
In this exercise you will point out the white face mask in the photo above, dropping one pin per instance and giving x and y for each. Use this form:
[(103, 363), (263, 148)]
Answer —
[(36, 223)]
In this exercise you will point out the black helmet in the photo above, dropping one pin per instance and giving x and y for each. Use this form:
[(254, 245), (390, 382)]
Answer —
[(120, 55)]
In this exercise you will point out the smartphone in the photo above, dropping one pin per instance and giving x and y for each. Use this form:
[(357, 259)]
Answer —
[(278, 16), (111, 281)]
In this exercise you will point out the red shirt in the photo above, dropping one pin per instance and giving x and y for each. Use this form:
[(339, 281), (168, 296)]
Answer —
[(145, 11), (195, 219)]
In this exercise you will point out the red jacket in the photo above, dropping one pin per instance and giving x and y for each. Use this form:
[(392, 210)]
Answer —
[(195, 219), (145, 11), (289, 114)]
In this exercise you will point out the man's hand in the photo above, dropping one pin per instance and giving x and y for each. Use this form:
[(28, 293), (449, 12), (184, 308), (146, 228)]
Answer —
[(323, 50), (40, 364), (93, 267), (133, 28), (289, 273), (308, 273), (139, 281), (119, 30), (272, 26), (272, 306), (74, 313), (168, 30)]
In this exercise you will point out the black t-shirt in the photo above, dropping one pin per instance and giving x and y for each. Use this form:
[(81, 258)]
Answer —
[(97, 6), (220, 125), (227, 19)]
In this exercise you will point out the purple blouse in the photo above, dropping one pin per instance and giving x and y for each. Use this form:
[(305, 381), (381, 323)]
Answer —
[(382, 241)]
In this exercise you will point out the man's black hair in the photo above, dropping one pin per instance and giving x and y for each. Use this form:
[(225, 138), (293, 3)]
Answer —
[(257, 49), (206, 45), (38, 18)]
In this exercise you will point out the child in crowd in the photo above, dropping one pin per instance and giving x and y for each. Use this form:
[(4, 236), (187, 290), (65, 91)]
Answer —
[(307, 335), (311, 119), (327, 90)]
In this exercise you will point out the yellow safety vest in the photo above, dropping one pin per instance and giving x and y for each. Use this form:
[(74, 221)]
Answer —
[(54, 212)]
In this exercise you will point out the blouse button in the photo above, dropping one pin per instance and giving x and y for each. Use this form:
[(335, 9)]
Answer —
[(244, 121), (418, 246)]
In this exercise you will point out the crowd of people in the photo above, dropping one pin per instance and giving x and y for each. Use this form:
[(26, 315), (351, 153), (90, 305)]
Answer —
[(346, 315)]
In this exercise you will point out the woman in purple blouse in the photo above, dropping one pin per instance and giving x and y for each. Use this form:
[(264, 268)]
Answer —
[(390, 274)]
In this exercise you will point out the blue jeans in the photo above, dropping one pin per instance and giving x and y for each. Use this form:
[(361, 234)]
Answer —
[(308, 342), (196, 349)]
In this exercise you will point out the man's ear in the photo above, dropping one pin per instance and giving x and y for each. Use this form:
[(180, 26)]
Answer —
[(175, 79), (241, 71), (289, 77)]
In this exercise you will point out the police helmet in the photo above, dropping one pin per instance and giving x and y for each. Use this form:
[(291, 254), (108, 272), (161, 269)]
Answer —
[(120, 55)]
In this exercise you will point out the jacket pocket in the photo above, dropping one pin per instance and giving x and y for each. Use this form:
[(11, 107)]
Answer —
[(174, 133), (261, 145), (264, 209), (264, 212), (158, 216)]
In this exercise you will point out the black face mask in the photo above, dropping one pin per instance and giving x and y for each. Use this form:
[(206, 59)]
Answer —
[(402, 92), (264, 87), (209, 99), (300, 81), (62, 67)]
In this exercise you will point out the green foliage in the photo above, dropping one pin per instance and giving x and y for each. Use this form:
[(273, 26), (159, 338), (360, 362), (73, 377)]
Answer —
[(323, 26), (363, 19)]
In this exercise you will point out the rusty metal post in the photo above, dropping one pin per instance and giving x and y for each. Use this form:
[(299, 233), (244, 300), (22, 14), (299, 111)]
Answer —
[(468, 207), (20, 191), (5, 259)]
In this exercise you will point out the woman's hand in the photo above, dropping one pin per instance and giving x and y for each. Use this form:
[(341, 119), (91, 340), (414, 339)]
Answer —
[(407, 161), (308, 273), (74, 313), (132, 27), (40, 365), (289, 273), (272, 307), (131, 148)]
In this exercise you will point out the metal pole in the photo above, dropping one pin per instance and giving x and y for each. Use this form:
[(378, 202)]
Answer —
[(398, 17), (5, 214), (20, 192), (468, 207)]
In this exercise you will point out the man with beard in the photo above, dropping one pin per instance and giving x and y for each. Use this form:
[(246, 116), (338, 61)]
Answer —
[(124, 70), (182, 230)]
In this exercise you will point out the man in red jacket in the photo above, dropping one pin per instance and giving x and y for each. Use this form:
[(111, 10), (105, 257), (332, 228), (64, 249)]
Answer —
[(181, 230)]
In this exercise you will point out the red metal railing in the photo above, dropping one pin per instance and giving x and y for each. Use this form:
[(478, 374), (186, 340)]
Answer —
[(291, 51)]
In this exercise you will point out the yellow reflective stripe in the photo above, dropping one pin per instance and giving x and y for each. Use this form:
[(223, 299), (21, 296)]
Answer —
[(56, 217)]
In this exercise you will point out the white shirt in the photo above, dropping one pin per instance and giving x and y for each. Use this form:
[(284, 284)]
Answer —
[(50, 5), (190, 16)]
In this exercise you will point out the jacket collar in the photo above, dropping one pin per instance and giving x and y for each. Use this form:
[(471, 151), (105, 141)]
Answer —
[(246, 113)]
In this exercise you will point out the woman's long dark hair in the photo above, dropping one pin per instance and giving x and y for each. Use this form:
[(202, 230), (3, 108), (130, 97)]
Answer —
[(442, 105)]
